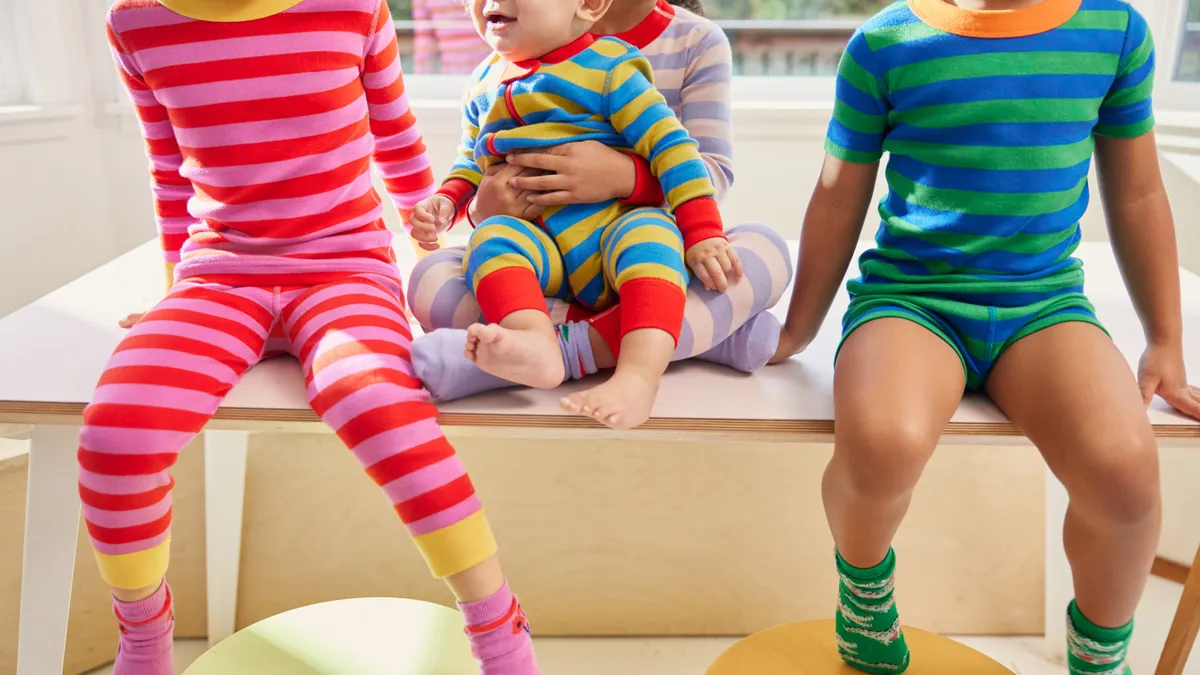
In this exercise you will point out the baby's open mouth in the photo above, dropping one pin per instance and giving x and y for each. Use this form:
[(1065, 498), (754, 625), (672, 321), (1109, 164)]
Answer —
[(496, 19)]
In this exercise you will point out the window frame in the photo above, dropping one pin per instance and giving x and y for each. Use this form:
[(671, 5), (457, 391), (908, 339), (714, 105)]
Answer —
[(1168, 25)]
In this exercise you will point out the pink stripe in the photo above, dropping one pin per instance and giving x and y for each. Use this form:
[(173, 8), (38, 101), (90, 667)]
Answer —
[(342, 243), (381, 446), (126, 63), (353, 365), (348, 310), (369, 398), (157, 396), (391, 111), (383, 78), (405, 168), (361, 334), (213, 309), (424, 480), (244, 133), (237, 176), (199, 266), (270, 209), (158, 131), (333, 291), (143, 97), (255, 89), (447, 517), (171, 359), (132, 441), (381, 40), (131, 547), (134, 18), (264, 241), (123, 485), (248, 47), (122, 519), (364, 6), (175, 225), (408, 200), (216, 338), (263, 297)]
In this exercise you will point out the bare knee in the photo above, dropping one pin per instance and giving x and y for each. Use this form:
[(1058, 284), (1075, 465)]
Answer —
[(1116, 477), (884, 454)]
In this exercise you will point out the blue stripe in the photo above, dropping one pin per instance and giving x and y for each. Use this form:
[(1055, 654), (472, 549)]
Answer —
[(990, 180), (947, 45), (1001, 88), (996, 226), (1014, 134), (854, 140)]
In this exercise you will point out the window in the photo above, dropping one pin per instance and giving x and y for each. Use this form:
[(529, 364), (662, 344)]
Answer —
[(769, 37), (12, 89), (1187, 66)]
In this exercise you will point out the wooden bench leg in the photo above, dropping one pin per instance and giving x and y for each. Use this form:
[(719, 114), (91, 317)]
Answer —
[(1184, 627), (51, 533), (1060, 586), (224, 496)]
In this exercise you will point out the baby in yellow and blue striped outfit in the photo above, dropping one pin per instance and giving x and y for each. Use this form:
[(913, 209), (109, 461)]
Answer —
[(550, 82)]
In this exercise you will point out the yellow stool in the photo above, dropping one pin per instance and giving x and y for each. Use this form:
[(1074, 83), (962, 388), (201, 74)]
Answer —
[(367, 636), (809, 648)]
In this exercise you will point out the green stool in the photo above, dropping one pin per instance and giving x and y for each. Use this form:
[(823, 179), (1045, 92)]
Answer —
[(367, 636)]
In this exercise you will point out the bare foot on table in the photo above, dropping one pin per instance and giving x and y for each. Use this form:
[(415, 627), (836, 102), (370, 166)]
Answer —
[(524, 357), (624, 402)]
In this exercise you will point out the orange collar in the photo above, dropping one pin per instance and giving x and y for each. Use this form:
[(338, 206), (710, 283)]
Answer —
[(1005, 23), (651, 27)]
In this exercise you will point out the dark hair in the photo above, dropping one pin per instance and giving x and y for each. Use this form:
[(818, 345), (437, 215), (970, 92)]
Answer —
[(694, 6)]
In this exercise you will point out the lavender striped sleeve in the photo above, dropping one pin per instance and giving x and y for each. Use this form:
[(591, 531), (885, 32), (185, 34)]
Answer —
[(693, 68)]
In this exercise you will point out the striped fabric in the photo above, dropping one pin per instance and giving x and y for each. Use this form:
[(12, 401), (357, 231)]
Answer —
[(260, 134), (592, 89), (169, 374), (444, 38), (990, 133)]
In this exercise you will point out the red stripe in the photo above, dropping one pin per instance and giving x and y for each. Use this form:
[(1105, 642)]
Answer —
[(279, 24), (228, 70), (267, 109), (175, 343), (437, 500), (296, 324), (243, 334), (333, 393), (125, 464), (300, 186), (141, 500), (128, 535), (300, 226), (164, 376), (278, 151), (349, 323), (384, 418), (126, 416), (410, 461), (251, 309)]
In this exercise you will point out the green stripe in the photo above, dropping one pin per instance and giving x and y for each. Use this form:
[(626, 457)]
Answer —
[(999, 112), (974, 244), (858, 121), (984, 203), (888, 36), (1125, 130), (1007, 158), (1098, 19), (1000, 63), (852, 156), (857, 76), (1138, 57), (1130, 95)]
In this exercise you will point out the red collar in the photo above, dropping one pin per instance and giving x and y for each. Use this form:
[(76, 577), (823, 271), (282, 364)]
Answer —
[(519, 70), (651, 27)]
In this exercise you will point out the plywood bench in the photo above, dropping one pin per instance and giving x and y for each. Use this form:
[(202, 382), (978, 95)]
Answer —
[(54, 351)]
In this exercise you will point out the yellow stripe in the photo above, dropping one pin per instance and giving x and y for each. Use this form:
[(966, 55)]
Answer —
[(131, 571), (580, 231), (628, 114), (666, 234), (532, 102), (610, 48), (586, 78), (649, 270), (677, 153), (590, 269), (459, 547), (685, 192)]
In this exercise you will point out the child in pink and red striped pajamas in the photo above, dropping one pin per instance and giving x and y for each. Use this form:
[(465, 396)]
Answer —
[(261, 119), (444, 38)]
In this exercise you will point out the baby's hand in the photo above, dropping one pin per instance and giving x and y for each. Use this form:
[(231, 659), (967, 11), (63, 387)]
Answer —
[(714, 263), (430, 218)]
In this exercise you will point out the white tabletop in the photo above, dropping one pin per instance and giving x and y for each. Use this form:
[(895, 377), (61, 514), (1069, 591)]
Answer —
[(55, 349)]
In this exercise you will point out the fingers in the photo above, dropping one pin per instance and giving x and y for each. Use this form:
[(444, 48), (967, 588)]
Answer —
[(702, 274), (549, 182), (131, 320), (444, 214), (538, 160), (557, 198), (1148, 385), (1185, 401), (735, 264), (720, 283)]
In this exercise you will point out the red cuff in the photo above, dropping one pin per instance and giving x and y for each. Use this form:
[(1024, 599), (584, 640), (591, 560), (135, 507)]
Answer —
[(507, 290), (647, 191), (460, 191), (652, 303), (699, 219)]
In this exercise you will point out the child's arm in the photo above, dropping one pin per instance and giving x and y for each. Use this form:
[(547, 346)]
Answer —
[(171, 191), (1139, 219), (399, 149), (640, 113), (842, 197)]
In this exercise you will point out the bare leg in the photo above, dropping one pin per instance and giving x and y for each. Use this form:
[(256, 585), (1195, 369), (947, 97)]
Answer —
[(625, 401), (477, 583), (523, 349), (126, 595), (895, 386), (1072, 393)]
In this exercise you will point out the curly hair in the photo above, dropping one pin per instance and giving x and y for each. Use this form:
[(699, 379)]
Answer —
[(694, 6)]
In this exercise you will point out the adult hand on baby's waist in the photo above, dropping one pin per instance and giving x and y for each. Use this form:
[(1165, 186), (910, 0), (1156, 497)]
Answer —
[(585, 172), (497, 197)]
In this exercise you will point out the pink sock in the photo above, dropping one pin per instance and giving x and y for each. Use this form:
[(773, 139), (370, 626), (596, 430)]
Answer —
[(147, 628), (499, 635)]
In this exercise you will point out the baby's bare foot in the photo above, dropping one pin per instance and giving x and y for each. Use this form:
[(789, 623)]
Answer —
[(624, 402), (524, 357)]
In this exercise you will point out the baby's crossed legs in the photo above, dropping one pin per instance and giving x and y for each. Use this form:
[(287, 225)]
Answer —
[(512, 265)]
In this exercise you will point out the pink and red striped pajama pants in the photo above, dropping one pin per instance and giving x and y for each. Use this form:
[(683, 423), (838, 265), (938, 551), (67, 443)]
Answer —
[(170, 373)]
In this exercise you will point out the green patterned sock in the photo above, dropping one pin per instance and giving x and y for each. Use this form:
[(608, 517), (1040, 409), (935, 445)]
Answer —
[(1092, 650), (868, 625)]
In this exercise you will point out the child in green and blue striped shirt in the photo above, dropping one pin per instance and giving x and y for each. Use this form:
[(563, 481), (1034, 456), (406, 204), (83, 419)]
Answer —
[(991, 119)]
